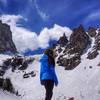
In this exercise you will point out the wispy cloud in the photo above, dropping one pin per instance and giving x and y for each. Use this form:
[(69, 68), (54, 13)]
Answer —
[(41, 13), (92, 17), (4, 2)]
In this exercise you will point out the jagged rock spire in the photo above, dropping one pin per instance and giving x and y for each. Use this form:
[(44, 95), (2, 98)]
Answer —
[(63, 40)]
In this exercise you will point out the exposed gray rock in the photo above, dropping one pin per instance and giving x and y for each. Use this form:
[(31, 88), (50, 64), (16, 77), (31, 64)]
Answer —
[(63, 40), (27, 75), (2, 72), (92, 55), (6, 84), (92, 31), (70, 55), (97, 41), (79, 40), (98, 64), (71, 98), (6, 42)]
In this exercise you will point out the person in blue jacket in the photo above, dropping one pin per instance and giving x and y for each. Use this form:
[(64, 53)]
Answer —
[(47, 73)]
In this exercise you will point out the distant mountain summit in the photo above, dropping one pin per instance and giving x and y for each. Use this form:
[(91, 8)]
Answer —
[(6, 42), (69, 53)]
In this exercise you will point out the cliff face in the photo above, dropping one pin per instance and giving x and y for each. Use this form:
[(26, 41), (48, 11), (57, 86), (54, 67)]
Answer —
[(69, 53), (6, 42)]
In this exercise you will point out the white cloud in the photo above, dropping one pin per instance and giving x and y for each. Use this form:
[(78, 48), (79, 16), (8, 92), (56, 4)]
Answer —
[(52, 34), (10, 19), (44, 38), (41, 13), (25, 39), (92, 17)]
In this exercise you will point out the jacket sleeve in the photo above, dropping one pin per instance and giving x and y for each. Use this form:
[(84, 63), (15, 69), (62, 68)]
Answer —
[(43, 61), (54, 75)]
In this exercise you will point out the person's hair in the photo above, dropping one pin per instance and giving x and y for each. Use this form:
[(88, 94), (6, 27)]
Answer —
[(50, 53)]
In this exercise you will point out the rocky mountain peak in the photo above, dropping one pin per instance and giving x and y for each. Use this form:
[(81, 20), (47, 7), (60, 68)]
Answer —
[(79, 29), (80, 41), (63, 40), (6, 42)]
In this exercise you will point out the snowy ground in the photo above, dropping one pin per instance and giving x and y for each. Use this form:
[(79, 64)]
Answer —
[(82, 83), (7, 96)]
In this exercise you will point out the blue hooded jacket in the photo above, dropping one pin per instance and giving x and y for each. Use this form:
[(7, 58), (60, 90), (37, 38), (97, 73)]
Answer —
[(47, 72)]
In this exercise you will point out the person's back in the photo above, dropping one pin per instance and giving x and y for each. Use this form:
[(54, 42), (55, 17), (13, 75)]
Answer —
[(47, 74)]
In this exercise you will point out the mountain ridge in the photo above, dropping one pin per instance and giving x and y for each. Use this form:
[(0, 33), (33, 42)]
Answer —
[(68, 54)]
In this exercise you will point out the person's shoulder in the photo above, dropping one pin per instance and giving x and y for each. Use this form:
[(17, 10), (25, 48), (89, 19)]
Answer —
[(43, 57)]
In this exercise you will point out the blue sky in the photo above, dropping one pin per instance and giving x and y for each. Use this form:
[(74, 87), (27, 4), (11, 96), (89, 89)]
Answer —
[(45, 13), (36, 23)]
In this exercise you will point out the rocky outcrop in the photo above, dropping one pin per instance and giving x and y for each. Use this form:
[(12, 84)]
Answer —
[(92, 55), (30, 74), (6, 42), (63, 40), (96, 47), (70, 53), (6, 84), (19, 63), (92, 31), (71, 98), (15, 63), (98, 64), (79, 40), (97, 41)]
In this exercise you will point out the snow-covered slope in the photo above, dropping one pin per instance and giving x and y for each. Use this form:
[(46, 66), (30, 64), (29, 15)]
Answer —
[(7, 96), (82, 83)]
